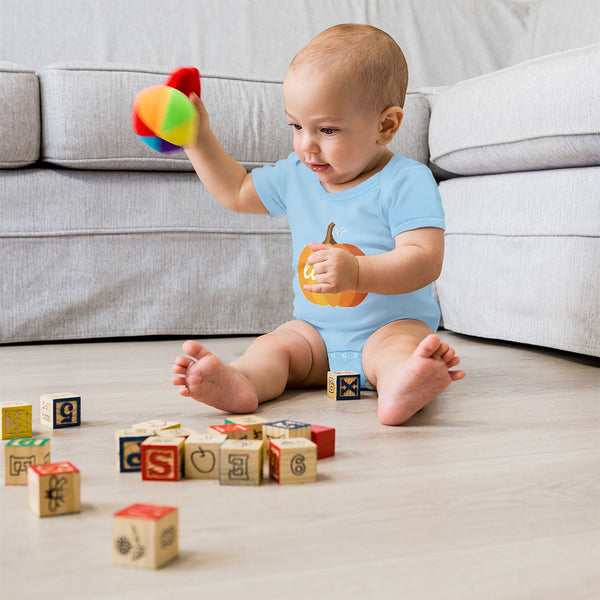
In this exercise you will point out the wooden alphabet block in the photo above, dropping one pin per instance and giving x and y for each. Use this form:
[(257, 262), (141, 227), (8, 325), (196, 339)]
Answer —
[(293, 460), (128, 449), (253, 421), (156, 425), (241, 462), (324, 438), (145, 536), (19, 454), (162, 458), (202, 455), (343, 385), (60, 410), (16, 420), (232, 431), (54, 489)]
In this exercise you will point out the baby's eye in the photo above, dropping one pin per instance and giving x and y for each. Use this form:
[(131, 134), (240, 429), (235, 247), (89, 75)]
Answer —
[(296, 126), (328, 130)]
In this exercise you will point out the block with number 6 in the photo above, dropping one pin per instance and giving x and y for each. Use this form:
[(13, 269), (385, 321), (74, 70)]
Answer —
[(293, 460)]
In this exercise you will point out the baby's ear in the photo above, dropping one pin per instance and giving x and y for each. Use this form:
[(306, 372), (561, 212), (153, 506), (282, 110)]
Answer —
[(389, 123)]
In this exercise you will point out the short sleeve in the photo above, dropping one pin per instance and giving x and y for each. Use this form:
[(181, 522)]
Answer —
[(270, 183), (413, 199)]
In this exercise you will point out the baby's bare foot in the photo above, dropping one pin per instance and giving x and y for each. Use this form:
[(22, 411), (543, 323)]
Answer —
[(411, 385), (207, 379)]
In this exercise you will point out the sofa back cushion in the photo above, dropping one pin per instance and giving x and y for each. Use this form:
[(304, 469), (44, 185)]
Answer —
[(19, 116), (86, 110), (540, 114)]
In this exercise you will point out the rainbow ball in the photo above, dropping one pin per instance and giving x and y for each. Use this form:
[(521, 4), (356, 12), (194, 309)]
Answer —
[(164, 118)]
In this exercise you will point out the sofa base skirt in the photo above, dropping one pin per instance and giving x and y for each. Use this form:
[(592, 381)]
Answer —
[(159, 272)]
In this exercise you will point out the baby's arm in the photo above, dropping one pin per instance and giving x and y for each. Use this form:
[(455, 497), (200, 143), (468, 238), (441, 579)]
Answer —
[(415, 262), (224, 177)]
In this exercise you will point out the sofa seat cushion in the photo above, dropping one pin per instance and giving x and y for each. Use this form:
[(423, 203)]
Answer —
[(522, 259), (86, 119), (90, 254), (540, 114), (19, 116)]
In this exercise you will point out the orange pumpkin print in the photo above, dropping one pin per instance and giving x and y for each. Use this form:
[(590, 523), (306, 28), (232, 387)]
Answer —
[(306, 276)]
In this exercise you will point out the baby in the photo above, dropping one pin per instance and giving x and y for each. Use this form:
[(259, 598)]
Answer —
[(363, 298)]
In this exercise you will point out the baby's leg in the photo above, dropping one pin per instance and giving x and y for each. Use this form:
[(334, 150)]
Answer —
[(409, 365), (293, 355)]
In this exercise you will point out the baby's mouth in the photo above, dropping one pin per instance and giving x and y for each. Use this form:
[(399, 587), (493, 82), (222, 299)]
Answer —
[(318, 168)]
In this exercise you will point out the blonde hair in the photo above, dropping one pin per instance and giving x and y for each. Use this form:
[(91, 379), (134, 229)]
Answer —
[(362, 56)]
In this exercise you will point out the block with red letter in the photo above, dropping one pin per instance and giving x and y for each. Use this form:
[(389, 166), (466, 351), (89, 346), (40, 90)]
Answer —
[(54, 489), (20, 453), (241, 462), (145, 536), (293, 460), (16, 420), (232, 431), (162, 458), (324, 438), (60, 410), (202, 455)]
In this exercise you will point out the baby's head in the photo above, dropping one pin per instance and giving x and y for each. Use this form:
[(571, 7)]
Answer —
[(365, 59)]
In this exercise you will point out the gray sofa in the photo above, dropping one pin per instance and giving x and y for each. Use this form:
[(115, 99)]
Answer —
[(101, 237)]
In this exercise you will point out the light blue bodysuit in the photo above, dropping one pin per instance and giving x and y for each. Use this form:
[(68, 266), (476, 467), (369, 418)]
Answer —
[(400, 197)]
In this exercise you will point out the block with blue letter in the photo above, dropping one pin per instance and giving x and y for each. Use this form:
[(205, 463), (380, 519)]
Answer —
[(60, 410), (128, 450), (343, 385)]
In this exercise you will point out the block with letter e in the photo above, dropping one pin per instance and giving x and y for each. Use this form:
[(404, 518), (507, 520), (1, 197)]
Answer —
[(16, 420), (343, 385), (60, 410), (162, 458), (241, 462), (54, 489), (145, 536), (19, 454)]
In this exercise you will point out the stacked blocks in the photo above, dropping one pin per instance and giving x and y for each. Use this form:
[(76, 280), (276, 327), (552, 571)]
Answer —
[(202, 455), (343, 385), (16, 420), (60, 410), (162, 458), (54, 489), (163, 116), (145, 536), (292, 460), (241, 462), (21, 453)]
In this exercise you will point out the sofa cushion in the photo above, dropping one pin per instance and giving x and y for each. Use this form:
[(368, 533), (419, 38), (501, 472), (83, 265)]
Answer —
[(540, 114), (522, 258), (86, 119), (19, 116)]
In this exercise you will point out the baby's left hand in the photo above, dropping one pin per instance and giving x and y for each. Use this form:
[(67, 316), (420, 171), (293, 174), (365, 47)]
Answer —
[(336, 270)]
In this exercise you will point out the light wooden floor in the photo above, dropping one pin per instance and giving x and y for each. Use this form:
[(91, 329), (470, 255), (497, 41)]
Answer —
[(492, 491)]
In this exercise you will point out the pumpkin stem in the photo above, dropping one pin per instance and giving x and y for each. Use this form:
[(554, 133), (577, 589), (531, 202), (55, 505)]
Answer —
[(329, 237)]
